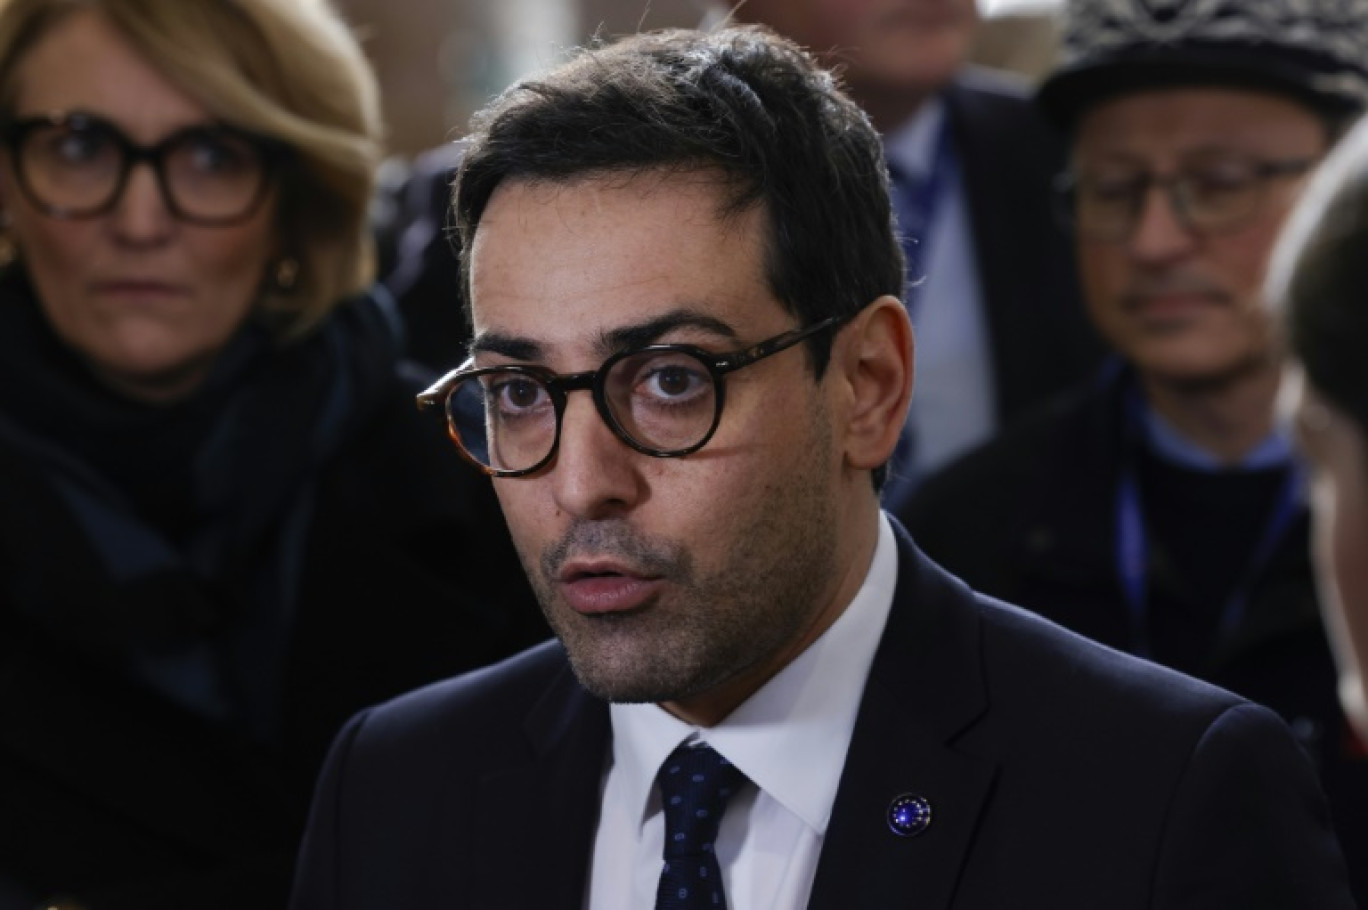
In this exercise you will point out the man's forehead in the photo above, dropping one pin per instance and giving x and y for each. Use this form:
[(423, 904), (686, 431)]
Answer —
[(1192, 118), (566, 264), (699, 187)]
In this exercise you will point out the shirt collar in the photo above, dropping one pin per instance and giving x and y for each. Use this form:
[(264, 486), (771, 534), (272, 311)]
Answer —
[(912, 146), (808, 709), (1168, 443)]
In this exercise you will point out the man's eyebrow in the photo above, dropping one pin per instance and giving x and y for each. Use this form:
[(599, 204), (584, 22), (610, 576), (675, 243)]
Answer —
[(507, 345), (610, 342), (651, 331)]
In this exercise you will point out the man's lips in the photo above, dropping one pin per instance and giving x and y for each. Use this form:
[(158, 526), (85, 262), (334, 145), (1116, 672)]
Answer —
[(1171, 305), (593, 589)]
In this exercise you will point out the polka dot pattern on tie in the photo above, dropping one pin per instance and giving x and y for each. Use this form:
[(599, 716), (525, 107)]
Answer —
[(695, 784)]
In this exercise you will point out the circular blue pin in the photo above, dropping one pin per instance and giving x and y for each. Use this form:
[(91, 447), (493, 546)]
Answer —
[(909, 815)]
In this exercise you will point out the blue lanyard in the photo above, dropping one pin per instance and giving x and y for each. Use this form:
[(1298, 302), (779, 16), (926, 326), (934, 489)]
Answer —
[(1132, 541), (917, 204)]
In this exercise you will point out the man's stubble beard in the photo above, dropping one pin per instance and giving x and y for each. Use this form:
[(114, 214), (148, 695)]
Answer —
[(708, 628)]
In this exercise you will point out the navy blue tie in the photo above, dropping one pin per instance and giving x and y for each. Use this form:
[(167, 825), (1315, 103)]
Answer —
[(695, 784)]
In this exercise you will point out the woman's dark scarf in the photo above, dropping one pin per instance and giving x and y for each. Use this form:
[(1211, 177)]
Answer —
[(168, 541)]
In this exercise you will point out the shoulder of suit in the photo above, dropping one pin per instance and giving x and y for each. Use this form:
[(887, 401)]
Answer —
[(1011, 88), (1073, 674), (1003, 465), (995, 107), (489, 694)]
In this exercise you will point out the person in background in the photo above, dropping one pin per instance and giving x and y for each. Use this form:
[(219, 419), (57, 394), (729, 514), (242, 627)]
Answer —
[(992, 286), (689, 367), (223, 525), (1160, 509), (1316, 280)]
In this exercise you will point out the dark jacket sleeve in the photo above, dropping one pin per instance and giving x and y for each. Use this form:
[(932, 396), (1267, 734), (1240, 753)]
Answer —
[(1248, 826), (316, 884)]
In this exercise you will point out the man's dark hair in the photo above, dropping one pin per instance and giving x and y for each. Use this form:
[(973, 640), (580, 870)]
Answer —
[(739, 102)]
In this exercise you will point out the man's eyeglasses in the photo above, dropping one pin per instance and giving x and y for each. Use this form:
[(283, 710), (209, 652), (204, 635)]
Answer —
[(1207, 199), (663, 400), (77, 165)]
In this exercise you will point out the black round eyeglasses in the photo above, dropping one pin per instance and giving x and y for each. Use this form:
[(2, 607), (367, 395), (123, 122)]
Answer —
[(663, 400)]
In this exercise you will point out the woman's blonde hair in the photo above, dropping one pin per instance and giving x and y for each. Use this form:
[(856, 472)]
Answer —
[(287, 69)]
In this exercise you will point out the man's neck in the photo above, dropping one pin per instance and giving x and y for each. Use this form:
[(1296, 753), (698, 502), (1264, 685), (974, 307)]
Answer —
[(1228, 419)]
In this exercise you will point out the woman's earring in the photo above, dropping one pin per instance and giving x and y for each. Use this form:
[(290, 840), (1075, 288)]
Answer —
[(286, 274)]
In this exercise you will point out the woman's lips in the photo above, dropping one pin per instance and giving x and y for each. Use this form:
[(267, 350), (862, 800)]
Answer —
[(137, 288)]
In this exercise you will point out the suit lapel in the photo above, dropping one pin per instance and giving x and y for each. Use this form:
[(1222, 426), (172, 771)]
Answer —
[(535, 820), (926, 686)]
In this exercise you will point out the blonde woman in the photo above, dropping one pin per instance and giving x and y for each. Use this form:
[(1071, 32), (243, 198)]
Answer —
[(222, 526)]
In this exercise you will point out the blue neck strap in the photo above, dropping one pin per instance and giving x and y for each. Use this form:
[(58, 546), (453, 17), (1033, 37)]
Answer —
[(1132, 538)]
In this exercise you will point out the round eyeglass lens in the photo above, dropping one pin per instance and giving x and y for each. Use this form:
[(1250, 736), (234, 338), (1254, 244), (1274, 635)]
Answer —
[(214, 175), (664, 400), (503, 419), (71, 168)]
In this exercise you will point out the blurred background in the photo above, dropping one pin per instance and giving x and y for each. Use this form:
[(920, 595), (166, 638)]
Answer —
[(439, 60)]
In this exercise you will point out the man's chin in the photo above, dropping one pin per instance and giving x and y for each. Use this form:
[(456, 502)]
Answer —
[(616, 672), (622, 689), (1197, 373)]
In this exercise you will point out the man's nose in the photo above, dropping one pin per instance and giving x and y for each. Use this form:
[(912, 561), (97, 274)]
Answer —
[(594, 473), (1160, 232)]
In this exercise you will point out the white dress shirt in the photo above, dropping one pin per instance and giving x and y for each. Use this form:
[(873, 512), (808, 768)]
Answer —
[(789, 738)]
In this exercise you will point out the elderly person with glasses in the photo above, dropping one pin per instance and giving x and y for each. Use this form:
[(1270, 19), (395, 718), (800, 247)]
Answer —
[(224, 525), (1161, 510)]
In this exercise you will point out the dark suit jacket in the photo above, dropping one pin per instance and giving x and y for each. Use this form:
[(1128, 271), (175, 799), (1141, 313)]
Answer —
[(1042, 342), (1031, 518), (1040, 337), (1061, 775)]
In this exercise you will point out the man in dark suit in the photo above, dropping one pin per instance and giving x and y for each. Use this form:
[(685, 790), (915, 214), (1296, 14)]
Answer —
[(761, 692)]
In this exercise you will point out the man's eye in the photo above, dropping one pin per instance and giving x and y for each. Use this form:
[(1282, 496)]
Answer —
[(516, 394), (1114, 189), (672, 381), (1218, 182)]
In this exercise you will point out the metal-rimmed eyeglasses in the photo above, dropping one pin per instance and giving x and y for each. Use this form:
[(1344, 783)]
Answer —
[(76, 165), (1206, 198), (663, 400)]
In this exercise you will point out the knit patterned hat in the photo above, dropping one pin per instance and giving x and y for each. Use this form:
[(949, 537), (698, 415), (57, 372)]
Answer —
[(1316, 51)]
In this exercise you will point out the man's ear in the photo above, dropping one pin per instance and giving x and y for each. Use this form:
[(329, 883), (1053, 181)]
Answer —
[(876, 357)]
